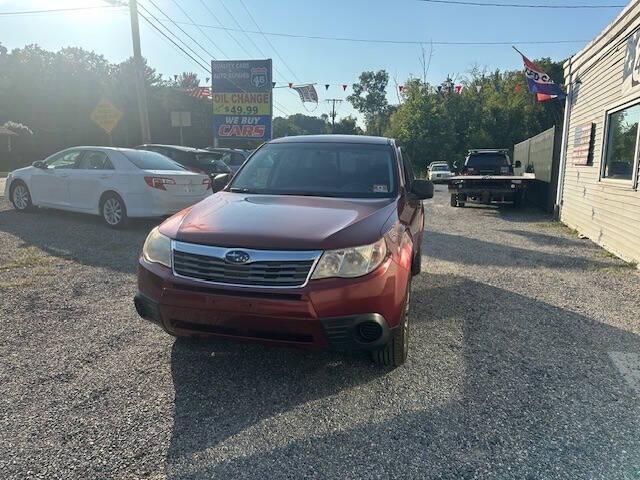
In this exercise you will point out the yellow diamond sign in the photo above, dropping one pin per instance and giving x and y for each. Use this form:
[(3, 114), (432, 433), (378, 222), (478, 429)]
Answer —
[(106, 115)]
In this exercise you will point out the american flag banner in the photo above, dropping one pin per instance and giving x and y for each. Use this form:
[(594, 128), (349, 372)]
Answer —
[(198, 92), (539, 82), (307, 93)]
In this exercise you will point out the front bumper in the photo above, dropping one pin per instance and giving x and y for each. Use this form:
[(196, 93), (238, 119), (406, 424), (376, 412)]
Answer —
[(332, 313)]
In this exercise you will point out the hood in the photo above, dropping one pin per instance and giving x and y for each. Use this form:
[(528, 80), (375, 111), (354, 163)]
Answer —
[(281, 222)]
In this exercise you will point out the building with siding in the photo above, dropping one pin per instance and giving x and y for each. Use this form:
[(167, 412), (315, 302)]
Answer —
[(598, 185)]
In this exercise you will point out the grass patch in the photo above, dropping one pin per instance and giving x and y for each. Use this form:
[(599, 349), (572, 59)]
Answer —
[(27, 257), (558, 226), (602, 253), (623, 268)]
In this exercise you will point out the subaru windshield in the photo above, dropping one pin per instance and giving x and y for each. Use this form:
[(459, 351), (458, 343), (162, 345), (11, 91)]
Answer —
[(347, 170)]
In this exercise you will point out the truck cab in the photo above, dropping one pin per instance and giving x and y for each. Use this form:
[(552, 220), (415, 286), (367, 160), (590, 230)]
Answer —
[(488, 162)]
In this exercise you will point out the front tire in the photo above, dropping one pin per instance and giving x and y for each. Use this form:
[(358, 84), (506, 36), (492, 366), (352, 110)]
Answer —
[(394, 353), (416, 262), (113, 211), (21, 197)]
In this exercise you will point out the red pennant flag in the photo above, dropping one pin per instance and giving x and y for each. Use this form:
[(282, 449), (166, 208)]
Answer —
[(326, 86), (518, 87), (290, 84), (458, 88), (401, 88), (543, 97), (344, 87)]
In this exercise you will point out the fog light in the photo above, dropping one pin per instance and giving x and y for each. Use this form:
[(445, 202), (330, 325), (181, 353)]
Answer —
[(368, 332)]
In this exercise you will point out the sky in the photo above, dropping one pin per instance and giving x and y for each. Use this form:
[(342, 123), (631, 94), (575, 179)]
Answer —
[(107, 31)]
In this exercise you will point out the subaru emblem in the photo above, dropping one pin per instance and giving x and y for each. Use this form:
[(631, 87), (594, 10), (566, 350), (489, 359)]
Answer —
[(237, 256)]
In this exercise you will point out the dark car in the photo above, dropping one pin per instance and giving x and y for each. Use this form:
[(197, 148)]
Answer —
[(487, 162), (487, 177), (233, 157), (313, 243), (194, 159)]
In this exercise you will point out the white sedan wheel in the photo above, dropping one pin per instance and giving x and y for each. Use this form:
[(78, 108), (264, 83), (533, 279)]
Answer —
[(20, 197), (113, 211)]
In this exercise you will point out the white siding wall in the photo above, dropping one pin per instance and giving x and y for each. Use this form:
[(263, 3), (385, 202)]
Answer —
[(607, 213)]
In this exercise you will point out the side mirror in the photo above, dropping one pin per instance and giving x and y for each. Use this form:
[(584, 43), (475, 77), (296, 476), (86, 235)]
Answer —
[(518, 164), (456, 166), (422, 189), (220, 181), (39, 164)]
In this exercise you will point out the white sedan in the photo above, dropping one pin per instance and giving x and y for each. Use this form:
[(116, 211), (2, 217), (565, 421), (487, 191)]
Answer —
[(438, 172), (115, 183)]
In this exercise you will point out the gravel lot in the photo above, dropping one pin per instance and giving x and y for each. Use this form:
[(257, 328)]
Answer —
[(520, 329)]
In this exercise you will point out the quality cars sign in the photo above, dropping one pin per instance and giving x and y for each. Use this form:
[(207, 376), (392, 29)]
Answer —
[(242, 99)]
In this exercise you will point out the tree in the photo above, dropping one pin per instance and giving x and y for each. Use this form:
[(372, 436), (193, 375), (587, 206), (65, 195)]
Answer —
[(369, 97), (348, 126), (299, 124), (489, 112)]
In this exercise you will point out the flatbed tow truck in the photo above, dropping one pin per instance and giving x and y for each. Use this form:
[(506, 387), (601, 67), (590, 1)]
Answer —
[(487, 177)]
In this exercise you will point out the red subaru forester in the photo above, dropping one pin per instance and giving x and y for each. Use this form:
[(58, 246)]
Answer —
[(312, 243)]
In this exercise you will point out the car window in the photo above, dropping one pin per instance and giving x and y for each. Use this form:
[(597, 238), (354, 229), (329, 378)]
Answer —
[(64, 160), (440, 168), (480, 160), (408, 170), (94, 161), (208, 158), (321, 169), (146, 160), (234, 159)]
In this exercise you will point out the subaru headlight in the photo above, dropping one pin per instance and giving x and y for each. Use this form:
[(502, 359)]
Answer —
[(351, 262), (157, 248)]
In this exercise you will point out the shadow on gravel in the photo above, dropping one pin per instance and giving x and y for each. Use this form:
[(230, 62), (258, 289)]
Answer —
[(79, 237), (545, 239), (470, 251), (538, 399), (223, 388)]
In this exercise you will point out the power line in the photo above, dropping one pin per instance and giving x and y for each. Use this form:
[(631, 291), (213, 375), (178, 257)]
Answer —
[(171, 40), (228, 32), (269, 41), (205, 68), (181, 29), (264, 55), (277, 105), (518, 5), (200, 29), (389, 41), (57, 10)]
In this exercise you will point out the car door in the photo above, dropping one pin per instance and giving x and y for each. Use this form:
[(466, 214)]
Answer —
[(50, 186), (87, 180), (411, 213)]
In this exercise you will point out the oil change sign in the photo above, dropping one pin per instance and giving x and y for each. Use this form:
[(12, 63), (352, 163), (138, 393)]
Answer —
[(242, 99)]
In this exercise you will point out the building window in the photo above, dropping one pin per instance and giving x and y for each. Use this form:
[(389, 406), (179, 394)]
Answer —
[(622, 144)]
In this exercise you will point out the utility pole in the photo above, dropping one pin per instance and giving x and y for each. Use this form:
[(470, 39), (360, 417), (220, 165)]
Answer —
[(139, 73), (333, 102)]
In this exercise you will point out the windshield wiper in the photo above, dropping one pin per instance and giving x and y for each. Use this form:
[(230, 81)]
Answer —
[(309, 194), (241, 190)]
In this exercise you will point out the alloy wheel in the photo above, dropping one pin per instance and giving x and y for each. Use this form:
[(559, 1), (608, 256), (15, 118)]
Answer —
[(112, 211), (21, 197)]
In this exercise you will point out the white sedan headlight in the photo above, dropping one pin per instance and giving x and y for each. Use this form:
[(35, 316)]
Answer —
[(157, 248), (351, 262)]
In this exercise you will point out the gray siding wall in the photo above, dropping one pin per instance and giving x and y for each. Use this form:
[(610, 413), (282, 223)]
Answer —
[(605, 211)]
